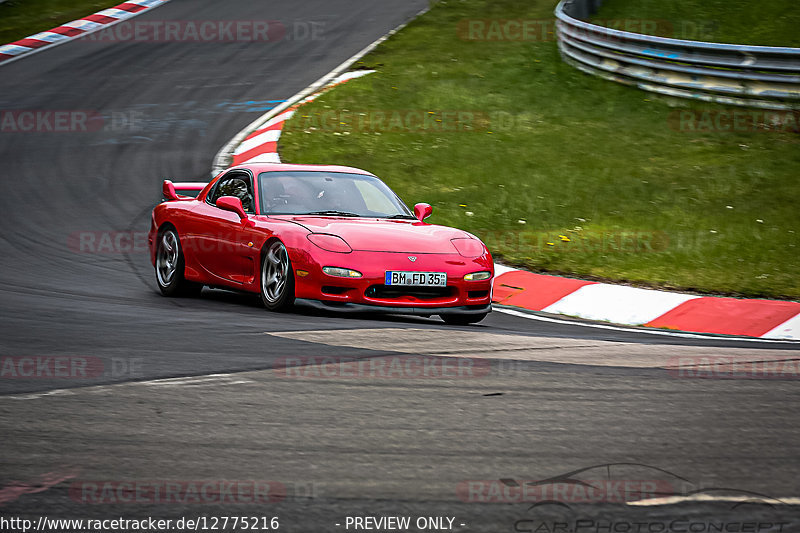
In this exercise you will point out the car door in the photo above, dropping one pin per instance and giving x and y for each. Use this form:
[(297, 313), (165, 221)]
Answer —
[(221, 241)]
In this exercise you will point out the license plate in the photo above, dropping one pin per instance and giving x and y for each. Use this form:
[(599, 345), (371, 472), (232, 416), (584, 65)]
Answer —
[(416, 279)]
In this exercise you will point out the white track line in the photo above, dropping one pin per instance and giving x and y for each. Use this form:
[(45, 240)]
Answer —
[(672, 500), (270, 136), (187, 381)]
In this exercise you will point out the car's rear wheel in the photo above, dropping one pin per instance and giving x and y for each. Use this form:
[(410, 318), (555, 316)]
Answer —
[(463, 320), (277, 278), (170, 266)]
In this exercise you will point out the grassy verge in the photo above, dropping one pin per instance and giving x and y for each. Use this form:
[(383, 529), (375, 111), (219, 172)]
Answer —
[(559, 171), (21, 18), (768, 23)]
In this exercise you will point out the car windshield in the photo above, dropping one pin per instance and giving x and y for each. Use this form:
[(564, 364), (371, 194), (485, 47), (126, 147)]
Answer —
[(328, 194)]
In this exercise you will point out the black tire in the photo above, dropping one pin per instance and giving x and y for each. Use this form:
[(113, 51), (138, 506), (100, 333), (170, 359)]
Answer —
[(170, 265), (277, 278), (463, 319)]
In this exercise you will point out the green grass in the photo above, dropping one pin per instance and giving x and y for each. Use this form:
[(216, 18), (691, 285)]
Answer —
[(766, 22), (21, 18), (574, 155)]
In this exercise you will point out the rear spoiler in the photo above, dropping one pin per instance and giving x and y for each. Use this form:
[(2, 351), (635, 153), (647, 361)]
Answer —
[(181, 191)]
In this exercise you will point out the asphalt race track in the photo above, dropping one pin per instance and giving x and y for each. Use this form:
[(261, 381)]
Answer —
[(189, 391)]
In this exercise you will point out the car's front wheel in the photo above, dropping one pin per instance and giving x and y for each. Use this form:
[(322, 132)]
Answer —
[(462, 319), (170, 265), (277, 278)]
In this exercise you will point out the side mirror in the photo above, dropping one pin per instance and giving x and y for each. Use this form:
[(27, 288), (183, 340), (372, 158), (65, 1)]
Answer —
[(422, 211), (231, 203)]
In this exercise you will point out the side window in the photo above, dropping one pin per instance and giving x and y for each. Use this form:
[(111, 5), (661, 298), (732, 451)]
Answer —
[(237, 185)]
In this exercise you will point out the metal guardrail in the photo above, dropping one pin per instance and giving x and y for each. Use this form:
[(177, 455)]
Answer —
[(755, 76)]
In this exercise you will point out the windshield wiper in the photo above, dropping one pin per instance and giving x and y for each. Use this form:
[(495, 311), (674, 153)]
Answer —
[(407, 217), (334, 213)]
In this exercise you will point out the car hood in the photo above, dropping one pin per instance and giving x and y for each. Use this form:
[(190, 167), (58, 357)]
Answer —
[(380, 235)]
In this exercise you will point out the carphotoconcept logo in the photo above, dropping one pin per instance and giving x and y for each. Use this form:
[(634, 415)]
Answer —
[(639, 487)]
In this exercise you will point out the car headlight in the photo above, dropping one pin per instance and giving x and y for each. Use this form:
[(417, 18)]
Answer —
[(330, 243), (468, 247), (478, 276), (341, 272)]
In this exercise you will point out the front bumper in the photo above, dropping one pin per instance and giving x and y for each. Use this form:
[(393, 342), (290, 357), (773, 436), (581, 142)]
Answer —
[(345, 307), (368, 293)]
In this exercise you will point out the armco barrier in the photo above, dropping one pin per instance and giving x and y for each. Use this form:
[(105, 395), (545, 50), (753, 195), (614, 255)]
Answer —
[(755, 76)]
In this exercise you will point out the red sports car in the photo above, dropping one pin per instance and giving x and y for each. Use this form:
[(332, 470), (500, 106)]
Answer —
[(326, 236)]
